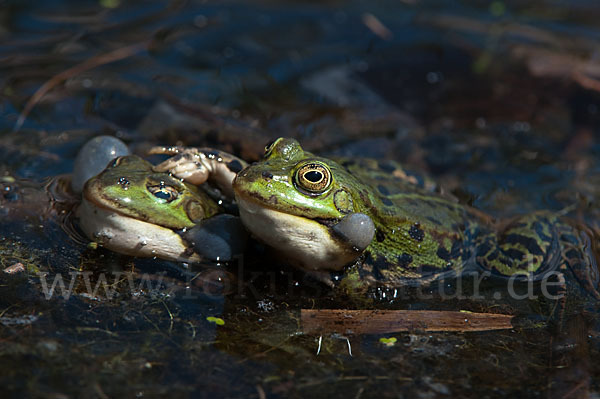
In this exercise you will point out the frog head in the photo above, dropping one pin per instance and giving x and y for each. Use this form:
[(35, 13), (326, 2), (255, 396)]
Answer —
[(310, 209), (130, 209), (129, 186)]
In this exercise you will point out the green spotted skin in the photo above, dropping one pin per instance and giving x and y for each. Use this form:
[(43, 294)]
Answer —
[(420, 235)]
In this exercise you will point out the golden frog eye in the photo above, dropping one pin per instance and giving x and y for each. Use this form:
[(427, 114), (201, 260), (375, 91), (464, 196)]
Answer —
[(164, 192), (313, 177)]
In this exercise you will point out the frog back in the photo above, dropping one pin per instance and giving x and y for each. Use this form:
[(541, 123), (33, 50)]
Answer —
[(420, 234)]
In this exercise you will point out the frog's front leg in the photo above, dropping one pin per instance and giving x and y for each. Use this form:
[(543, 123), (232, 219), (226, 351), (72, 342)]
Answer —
[(198, 165)]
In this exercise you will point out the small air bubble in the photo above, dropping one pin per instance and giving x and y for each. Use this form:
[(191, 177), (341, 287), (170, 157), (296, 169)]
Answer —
[(200, 21), (433, 77), (521, 127)]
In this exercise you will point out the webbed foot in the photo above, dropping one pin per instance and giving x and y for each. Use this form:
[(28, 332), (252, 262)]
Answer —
[(198, 165)]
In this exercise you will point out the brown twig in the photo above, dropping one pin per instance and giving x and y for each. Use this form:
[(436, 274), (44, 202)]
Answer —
[(386, 321), (90, 63), (586, 82)]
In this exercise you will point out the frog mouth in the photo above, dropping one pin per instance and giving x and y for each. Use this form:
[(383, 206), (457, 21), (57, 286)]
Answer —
[(98, 201), (272, 203), (257, 199), (130, 236)]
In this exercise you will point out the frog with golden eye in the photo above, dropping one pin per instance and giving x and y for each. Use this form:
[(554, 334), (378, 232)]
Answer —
[(358, 218)]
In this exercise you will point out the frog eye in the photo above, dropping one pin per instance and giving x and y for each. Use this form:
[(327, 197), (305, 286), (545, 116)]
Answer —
[(164, 192), (269, 147), (314, 177), (116, 162)]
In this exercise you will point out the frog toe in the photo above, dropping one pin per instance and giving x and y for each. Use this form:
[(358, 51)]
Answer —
[(187, 166), (357, 228), (219, 238)]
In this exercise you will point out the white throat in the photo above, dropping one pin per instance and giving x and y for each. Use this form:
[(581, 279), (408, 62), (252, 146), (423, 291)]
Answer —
[(130, 236), (304, 242)]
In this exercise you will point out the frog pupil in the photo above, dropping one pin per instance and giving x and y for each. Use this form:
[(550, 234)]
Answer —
[(313, 176), (162, 194)]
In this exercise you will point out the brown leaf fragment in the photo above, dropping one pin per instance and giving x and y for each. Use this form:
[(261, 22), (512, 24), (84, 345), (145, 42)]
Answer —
[(14, 269)]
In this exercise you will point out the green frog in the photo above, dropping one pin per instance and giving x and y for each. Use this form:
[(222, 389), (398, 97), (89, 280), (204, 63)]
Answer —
[(135, 208), (363, 218)]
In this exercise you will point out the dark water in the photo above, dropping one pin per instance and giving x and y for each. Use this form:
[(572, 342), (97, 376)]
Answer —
[(497, 101)]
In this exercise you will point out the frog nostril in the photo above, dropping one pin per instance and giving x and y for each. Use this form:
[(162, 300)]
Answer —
[(267, 175)]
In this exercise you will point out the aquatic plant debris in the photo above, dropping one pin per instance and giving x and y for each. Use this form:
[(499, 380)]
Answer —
[(15, 268), (217, 320), (388, 341), (18, 320), (90, 63)]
